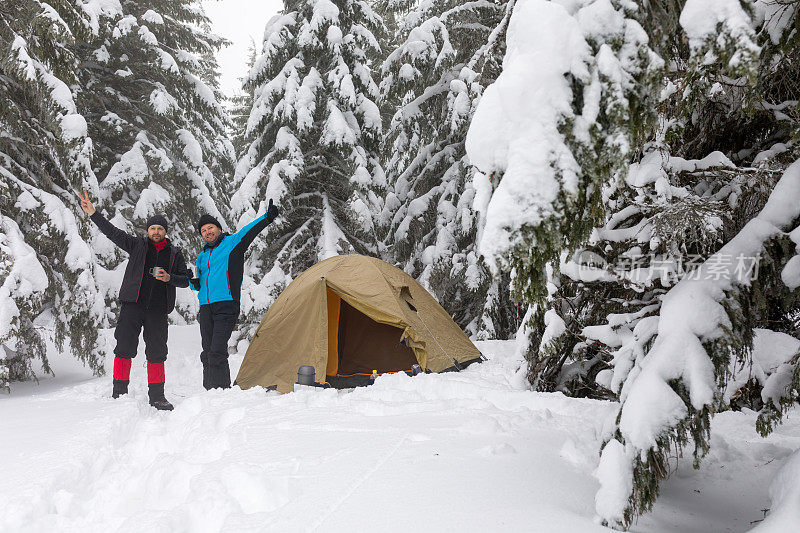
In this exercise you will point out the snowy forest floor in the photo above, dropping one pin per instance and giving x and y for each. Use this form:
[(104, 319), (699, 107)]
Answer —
[(471, 451)]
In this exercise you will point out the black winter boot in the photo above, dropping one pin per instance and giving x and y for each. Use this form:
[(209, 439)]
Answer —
[(156, 393), (219, 375), (120, 388)]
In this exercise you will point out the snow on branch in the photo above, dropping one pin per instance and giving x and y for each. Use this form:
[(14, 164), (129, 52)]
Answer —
[(692, 314)]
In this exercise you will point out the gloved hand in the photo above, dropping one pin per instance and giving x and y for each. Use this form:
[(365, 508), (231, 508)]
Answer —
[(272, 211)]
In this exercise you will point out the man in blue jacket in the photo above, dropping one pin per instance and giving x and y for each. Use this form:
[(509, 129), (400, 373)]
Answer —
[(219, 283)]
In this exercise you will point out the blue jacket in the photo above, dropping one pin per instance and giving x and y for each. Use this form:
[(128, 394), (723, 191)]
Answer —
[(221, 264)]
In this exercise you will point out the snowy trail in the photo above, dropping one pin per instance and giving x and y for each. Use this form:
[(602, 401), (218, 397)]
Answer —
[(471, 451)]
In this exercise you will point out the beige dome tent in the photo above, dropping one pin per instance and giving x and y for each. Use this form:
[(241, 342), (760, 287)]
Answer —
[(347, 316)]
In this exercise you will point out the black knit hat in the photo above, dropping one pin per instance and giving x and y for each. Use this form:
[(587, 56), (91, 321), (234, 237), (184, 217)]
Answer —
[(208, 219), (156, 220)]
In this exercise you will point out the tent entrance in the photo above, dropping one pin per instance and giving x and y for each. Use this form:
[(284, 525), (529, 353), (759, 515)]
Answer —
[(357, 345)]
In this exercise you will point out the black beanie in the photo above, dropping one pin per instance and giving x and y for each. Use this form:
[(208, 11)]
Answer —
[(208, 219), (156, 220)]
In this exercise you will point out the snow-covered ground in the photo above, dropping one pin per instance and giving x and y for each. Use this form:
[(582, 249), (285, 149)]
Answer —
[(472, 451)]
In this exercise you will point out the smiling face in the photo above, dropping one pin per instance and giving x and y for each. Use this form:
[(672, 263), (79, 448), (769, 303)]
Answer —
[(210, 232), (156, 233)]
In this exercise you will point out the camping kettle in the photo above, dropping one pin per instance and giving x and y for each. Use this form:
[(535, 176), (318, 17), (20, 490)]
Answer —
[(305, 375)]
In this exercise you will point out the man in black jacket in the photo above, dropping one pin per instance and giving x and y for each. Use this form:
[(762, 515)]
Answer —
[(147, 296)]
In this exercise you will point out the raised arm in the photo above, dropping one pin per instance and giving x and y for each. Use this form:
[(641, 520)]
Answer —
[(246, 235), (122, 239)]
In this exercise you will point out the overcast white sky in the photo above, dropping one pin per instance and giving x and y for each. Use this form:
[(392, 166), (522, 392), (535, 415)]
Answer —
[(238, 21)]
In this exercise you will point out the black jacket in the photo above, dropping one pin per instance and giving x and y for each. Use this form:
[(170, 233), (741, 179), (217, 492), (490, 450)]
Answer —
[(137, 248)]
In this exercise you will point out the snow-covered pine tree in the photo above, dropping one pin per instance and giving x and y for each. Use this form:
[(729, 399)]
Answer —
[(241, 105), (551, 137), (47, 271), (150, 94), (446, 52), (736, 106), (665, 209), (659, 210), (313, 139), (696, 190)]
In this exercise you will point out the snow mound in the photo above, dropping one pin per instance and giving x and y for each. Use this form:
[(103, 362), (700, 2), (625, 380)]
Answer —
[(784, 492)]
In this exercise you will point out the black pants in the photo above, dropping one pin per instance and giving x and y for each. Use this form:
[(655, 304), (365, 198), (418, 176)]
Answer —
[(132, 318), (217, 321)]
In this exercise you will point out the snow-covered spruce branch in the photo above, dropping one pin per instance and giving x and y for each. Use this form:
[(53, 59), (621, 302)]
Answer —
[(492, 41), (669, 394)]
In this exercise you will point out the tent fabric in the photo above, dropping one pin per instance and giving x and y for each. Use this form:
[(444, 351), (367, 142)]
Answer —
[(303, 326)]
